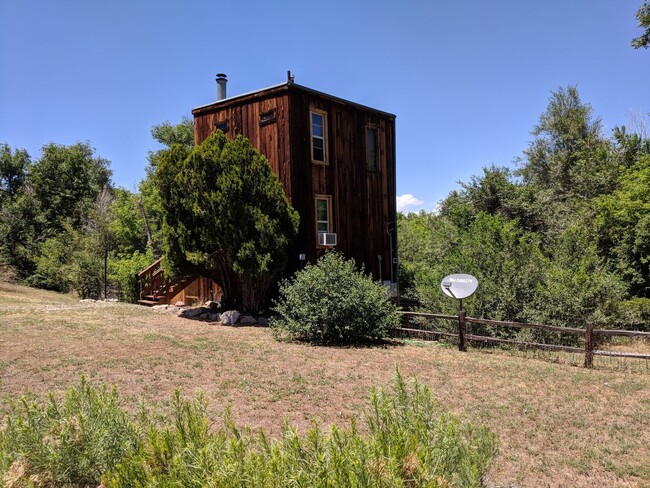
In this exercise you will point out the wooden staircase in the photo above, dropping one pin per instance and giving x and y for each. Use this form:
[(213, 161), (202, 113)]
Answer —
[(155, 287)]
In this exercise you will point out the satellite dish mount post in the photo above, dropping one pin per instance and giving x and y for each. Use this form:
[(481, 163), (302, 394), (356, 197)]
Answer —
[(463, 287)]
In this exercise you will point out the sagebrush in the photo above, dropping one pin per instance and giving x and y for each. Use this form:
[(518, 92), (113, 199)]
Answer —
[(407, 439)]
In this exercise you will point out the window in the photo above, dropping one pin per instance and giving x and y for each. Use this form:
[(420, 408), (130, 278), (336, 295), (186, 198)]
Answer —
[(372, 149), (318, 136), (222, 126), (267, 117), (323, 211)]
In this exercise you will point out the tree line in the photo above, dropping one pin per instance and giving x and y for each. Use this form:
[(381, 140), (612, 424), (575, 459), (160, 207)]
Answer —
[(563, 238), (64, 226), (214, 210)]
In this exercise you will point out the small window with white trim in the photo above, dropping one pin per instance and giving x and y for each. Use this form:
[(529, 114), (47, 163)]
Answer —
[(318, 122), (323, 214)]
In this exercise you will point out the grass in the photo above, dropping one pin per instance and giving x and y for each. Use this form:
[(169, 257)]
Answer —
[(558, 424)]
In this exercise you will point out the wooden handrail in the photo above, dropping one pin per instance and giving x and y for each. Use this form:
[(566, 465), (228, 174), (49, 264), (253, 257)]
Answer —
[(150, 267)]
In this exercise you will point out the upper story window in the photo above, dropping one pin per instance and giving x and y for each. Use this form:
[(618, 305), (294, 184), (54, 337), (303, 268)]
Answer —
[(318, 120), (222, 126), (372, 148), (267, 117)]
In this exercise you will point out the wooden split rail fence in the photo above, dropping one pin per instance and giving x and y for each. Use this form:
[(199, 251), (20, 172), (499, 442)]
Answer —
[(589, 333)]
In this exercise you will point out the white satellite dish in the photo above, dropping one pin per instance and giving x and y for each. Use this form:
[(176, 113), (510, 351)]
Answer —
[(459, 286)]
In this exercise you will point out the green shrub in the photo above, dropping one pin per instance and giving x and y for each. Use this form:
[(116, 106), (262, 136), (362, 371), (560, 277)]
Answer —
[(410, 441), (123, 270), (635, 314), (332, 301), (69, 443)]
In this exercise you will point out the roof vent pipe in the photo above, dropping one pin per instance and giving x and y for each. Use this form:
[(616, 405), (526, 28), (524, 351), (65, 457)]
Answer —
[(221, 86)]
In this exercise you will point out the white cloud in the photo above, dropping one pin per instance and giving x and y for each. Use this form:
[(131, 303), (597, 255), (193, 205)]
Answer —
[(407, 201)]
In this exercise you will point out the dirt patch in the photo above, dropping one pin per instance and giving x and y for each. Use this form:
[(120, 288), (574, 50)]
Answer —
[(558, 425)]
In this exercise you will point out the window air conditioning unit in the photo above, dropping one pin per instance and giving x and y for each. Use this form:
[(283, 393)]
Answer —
[(326, 239)]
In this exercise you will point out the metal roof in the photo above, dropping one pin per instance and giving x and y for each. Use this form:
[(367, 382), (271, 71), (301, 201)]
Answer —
[(289, 85)]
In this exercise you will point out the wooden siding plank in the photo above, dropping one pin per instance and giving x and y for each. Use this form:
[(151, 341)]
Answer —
[(363, 203)]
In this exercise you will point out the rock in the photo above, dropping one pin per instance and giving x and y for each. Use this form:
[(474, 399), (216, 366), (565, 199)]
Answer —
[(180, 303), (248, 320), (230, 317), (172, 308), (110, 300), (87, 300), (263, 321), (204, 316), (192, 312), (159, 308), (215, 317)]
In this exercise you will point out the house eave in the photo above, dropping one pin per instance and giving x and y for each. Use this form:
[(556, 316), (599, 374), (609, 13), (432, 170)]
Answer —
[(282, 87)]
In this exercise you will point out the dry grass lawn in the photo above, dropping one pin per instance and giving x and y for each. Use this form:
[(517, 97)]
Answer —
[(558, 425)]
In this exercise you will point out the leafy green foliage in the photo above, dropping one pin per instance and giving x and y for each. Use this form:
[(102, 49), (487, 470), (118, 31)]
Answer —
[(332, 301), (45, 200), (71, 261), (636, 312), (68, 443), (563, 240), (624, 225), (123, 273), (643, 16), (410, 441), (61, 222), (126, 224), (20, 224), (66, 181), (505, 259), (170, 135), (225, 215), (13, 166)]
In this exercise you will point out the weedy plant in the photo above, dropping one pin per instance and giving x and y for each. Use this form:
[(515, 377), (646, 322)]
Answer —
[(407, 440), (333, 301), (68, 443)]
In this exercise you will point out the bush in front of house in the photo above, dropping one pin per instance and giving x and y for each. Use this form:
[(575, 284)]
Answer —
[(333, 301)]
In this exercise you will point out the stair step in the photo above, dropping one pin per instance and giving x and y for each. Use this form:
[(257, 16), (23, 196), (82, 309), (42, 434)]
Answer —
[(149, 303)]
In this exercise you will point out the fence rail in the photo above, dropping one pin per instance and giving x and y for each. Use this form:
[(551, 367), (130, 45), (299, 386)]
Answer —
[(589, 334)]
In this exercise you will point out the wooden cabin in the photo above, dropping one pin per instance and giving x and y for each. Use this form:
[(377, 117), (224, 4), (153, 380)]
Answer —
[(335, 159)]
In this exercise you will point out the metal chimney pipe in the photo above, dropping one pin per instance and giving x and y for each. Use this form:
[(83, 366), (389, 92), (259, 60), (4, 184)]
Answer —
[(221, 86)]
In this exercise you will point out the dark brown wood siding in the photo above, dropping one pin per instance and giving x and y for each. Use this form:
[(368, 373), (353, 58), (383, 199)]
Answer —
[(363, 202), (271, 139)]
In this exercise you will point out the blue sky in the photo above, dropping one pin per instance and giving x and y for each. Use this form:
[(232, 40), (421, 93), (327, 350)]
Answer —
[(466, 79)]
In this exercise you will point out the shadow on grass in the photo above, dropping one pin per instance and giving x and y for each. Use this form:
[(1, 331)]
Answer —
[(387, 343)]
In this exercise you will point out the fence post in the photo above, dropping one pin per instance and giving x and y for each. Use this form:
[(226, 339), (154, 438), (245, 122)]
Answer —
[(589, 346), (461, 331)]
